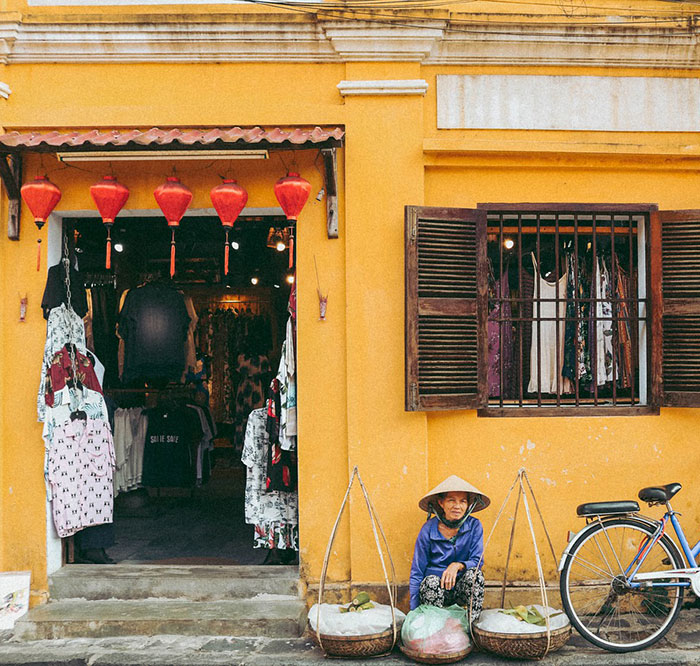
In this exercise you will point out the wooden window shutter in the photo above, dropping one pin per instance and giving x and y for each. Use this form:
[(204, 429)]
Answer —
[(680, 252), (446, 302)]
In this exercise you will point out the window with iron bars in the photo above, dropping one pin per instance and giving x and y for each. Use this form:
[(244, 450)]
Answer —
[(567, 309)]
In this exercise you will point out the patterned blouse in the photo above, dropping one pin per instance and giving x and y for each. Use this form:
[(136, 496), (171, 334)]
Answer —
[(63, 327)]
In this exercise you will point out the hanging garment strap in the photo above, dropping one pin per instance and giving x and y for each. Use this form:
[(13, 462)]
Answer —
[(76, 396), (376, 523)]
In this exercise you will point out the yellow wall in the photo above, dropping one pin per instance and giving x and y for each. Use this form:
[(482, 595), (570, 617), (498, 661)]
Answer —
[(351, 367)]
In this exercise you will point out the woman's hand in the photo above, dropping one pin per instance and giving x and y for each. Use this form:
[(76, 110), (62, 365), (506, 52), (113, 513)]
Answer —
[(449, 575)]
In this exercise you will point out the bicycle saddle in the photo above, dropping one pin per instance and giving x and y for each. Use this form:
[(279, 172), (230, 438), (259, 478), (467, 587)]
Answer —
[(659, 493)]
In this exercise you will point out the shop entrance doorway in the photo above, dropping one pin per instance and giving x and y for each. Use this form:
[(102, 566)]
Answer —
[(180, 491)]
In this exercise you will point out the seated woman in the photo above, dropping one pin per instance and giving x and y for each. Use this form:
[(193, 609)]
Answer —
[(446, 566)]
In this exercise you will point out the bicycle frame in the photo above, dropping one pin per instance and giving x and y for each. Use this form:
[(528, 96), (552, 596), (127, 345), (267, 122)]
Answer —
[(687, 577)]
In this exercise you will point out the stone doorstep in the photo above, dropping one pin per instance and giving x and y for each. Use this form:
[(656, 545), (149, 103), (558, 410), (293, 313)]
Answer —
[(681, 647), (195, 583), (278, 618), (221, 651)]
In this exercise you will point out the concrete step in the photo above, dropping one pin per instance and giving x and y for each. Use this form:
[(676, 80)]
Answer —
[(194, 583), (268, 617)]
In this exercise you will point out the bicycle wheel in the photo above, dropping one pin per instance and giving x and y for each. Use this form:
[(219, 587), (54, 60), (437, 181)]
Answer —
[(597, 597)]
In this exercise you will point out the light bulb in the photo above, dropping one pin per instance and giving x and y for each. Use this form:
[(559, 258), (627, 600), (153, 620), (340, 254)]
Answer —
[(235, 245), (118, 247), (290, 279), (254, 280), (509, 243), (276, 286), (280, 247)]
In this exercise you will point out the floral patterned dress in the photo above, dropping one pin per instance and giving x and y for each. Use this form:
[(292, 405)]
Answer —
[(250, 394), (274, 514)]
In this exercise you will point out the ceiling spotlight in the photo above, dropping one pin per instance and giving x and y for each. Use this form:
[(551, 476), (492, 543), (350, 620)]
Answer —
[(276, 286), (235, 245), (509, 243), (277, 239), (290, 279), (118, 247), (254, 280)]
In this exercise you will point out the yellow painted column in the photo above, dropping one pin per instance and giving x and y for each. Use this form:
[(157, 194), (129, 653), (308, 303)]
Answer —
[(22, 493), (384, 172)]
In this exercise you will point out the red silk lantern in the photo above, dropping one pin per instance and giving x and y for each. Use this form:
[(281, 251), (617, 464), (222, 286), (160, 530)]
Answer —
[(172, 198), (109, 197), (41, 195), (292, 192), (229, 199)]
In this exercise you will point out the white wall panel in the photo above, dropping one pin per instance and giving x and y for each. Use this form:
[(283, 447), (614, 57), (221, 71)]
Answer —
[(607, 103)]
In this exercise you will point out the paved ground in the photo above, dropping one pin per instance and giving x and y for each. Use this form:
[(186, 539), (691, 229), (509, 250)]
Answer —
[(681, 647)]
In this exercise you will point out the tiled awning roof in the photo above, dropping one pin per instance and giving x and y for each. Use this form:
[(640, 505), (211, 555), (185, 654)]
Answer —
[(171, 139)]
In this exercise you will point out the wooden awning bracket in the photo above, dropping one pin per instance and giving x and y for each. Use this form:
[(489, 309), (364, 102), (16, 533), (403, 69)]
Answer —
[(11, 175), (330, 162)]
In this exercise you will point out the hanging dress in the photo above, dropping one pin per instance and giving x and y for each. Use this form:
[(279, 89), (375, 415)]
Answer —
[(544, 334), (577, 354), (274, 514), (603, 325), (500, 336), (250, 394)]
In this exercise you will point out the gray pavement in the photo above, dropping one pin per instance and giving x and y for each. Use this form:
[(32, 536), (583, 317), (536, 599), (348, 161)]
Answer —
[(682, 646)]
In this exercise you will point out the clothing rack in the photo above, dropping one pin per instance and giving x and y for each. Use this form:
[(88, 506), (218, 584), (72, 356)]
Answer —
[(567, 230), (99, 280), (148, 397)]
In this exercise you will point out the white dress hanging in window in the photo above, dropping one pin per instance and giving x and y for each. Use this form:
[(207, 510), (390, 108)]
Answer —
[(544, 334)]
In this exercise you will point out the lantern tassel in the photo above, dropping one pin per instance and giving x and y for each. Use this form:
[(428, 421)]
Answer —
[(108, 258), (172, 254), (38, 254), (291, 248), (226, 251)]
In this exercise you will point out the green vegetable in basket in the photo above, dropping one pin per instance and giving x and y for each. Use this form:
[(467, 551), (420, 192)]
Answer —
[(361, 602), (528, 614), (360, 599)]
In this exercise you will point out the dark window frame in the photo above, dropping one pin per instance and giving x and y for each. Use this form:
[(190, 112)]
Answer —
[(653, 239), (652, 405)]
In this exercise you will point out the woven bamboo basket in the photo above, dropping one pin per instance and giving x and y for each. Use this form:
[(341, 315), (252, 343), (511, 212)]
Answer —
[(521, 646), (425, 658), (367, 645), (526, 645)]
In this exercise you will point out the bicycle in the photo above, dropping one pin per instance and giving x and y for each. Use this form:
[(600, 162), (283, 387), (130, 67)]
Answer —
[(622, 577)]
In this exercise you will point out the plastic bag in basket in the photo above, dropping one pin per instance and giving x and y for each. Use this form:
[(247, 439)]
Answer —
[(373, 621), (436, 631)]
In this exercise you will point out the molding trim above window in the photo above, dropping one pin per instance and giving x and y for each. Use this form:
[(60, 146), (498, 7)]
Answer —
[(384, 87), (277, 38)]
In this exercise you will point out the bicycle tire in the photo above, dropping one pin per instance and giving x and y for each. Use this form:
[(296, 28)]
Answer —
[(636, 612)]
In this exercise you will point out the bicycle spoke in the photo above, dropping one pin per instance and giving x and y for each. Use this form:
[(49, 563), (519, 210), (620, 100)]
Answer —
[(613, 552), (592, 567)]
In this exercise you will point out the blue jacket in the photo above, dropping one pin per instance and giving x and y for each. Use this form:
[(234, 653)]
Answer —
[(433, 552)]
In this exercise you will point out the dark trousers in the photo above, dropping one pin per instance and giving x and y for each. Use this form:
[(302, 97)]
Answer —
[(469, 586)]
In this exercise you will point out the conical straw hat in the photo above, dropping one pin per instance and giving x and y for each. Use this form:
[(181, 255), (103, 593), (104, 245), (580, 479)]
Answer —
[(449, 485)]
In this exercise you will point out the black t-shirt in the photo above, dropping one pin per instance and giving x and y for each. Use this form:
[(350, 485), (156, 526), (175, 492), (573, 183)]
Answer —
[(55, 291), (153, 324), (169, 455)]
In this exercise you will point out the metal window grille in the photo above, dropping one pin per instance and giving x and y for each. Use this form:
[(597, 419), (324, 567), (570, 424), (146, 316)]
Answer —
[(586, 299)]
